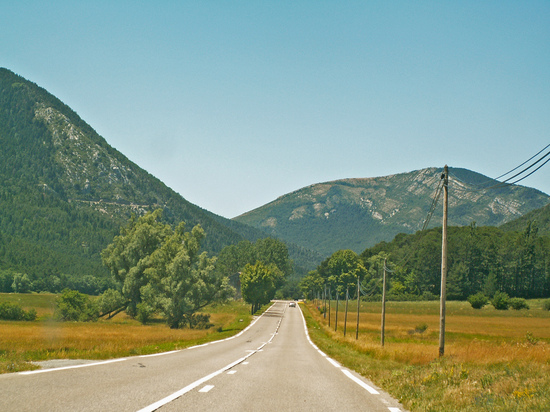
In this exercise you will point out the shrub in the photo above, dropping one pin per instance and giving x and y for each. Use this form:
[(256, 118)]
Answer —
[(501, 301), (75, 306), (518, 303), (546, 304), (421, 328), (12, 311), (200, 321), (478, 300)]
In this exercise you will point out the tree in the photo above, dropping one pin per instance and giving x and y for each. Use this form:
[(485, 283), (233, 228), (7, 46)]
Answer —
[(21, 283), (162, 270), (129, 255), (344, 267), (273, 251), (259, 283), (312, 285), (72, 305), (183, 280), (233, 258)]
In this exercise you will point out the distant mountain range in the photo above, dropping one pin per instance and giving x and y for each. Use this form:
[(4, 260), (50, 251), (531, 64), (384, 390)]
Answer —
[(358, 213), (65, 193)]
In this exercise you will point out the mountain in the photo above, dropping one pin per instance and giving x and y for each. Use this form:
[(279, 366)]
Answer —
[(65, 193), (541, 218), (358, 213)]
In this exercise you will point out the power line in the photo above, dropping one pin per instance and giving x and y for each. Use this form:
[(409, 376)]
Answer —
[(437, 195), (517, 167), (507, 182), (433, 206)]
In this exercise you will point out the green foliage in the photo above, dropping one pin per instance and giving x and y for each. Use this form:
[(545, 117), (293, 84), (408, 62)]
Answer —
[(290, 290), (72, 305), (501, 301), (338, 273), (233, 259), (162, 270), (128, 257), (110, 302), (518, 303), (421, 328), (540, 216), (13, 311), (144, 312), (21, 283), (259, 283), (199, 321), (546, 304), (312, 285), (478, 301), (483, 259)]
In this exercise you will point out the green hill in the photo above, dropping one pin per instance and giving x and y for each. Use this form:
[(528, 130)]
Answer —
[(358, 213), (541, 218), (64, 192)]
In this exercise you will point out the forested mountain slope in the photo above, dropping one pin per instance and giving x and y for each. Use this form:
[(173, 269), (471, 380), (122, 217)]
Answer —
[(358, 213), (64, 192), (539, 217)]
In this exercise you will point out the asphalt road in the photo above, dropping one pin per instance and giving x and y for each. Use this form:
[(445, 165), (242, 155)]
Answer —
[(271, 366)]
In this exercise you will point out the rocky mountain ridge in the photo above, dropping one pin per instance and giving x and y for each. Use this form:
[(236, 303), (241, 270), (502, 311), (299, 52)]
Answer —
[(375, 209)]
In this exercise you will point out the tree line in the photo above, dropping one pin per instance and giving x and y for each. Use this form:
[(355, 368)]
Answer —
[(480, 259)]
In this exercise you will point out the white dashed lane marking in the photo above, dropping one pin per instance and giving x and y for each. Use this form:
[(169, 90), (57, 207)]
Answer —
[(206, 388)]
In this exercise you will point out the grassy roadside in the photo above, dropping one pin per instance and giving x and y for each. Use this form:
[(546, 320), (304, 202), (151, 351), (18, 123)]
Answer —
[(491, 362), (24, 342)]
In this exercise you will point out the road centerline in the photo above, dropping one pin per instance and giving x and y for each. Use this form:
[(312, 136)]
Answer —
[(188, 388)]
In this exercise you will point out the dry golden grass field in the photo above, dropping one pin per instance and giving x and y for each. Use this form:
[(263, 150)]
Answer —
[(44, 339), (494, 360)]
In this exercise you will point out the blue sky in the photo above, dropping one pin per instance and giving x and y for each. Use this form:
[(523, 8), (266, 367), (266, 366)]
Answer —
[(234, 103)]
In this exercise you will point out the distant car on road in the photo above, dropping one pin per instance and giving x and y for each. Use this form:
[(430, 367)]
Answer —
[(292, 304)]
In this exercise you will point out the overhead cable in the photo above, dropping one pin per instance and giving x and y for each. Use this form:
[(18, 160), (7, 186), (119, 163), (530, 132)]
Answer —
[(508, 181)]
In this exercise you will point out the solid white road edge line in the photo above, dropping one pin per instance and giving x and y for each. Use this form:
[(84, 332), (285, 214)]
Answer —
[(84, 365), (141, 356), (345, 371), (360, 382), (159, 354)]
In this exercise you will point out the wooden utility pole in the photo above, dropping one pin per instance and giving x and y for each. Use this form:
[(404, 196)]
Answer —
[(382, 329), (346, 315), (336, 320), (445, 178), (329, 304), (325, 302), (358, 306)]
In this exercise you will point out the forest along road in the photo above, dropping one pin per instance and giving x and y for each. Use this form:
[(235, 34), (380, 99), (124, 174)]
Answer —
[(271, 366)]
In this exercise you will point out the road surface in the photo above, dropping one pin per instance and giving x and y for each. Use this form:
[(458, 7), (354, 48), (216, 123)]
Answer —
[(271, 366)]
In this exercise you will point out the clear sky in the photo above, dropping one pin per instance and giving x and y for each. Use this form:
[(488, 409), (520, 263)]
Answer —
[(234, 103)]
